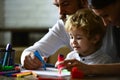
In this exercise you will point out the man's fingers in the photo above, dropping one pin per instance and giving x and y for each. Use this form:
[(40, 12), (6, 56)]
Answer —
[(70, 61), (31, 62)]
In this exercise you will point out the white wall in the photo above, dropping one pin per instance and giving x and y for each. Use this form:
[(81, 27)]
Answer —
[(26, 14), (30, 13)]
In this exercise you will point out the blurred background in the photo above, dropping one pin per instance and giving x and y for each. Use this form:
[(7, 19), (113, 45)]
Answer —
[(23, 22)]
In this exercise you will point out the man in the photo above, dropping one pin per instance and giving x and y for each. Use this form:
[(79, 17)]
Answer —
[(109, 11), (55, 38)]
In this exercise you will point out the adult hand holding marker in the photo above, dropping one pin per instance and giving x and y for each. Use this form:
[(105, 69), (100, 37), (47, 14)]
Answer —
[(36, 53), (32, 61)]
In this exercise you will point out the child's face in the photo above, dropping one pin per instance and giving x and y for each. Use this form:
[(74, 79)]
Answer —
[(81, 43)]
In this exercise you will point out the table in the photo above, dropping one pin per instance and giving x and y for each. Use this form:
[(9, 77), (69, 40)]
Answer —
[(31, 77)]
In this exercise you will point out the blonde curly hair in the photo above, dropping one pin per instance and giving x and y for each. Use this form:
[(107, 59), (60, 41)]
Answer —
[(87, 21)]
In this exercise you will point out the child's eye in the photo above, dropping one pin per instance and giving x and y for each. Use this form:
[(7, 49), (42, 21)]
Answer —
[(71, 37), (79, 38)]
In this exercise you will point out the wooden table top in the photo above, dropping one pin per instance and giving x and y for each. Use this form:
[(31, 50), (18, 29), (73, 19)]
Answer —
[(31, 77)]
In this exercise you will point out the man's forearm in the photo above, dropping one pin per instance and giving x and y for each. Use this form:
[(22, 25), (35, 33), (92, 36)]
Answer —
[(105, 69)]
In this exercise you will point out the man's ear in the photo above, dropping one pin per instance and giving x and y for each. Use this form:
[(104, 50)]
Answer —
[(84, 3)]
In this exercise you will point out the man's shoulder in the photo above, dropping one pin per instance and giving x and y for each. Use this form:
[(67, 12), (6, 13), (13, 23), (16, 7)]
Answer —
[(60, 21)]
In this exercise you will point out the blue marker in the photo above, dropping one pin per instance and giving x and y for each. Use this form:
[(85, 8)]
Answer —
[(8, 48), (9, 72), (36, 53)]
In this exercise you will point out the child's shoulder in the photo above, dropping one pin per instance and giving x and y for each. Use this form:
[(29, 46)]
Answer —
[(72, 53)]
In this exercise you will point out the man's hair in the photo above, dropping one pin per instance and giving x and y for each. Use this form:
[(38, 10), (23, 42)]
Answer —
[(99, 4)]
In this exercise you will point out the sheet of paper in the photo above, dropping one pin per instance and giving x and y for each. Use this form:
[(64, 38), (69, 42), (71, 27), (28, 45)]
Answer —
[(50, 72)]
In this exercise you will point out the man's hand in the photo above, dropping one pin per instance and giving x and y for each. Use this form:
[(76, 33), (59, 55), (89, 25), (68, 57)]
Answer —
[(31, 62), (69, 64)]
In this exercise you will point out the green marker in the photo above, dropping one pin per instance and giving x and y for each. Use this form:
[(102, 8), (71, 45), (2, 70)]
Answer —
[(6, 68)]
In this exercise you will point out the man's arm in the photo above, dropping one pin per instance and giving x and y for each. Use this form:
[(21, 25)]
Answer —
[(105, 69), (94, 69), (52, 41)]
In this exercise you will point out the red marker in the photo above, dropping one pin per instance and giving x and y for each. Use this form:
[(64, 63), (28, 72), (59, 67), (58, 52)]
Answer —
[(60, 58), (76, 73)]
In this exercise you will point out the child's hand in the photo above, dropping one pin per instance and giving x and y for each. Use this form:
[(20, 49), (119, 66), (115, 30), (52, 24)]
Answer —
[(56, 64)]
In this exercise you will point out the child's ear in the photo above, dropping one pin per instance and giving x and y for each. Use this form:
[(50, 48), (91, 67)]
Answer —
[(96, 39)]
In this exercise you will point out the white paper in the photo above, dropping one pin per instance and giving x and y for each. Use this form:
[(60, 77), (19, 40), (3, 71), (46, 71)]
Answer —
[(50, 72)]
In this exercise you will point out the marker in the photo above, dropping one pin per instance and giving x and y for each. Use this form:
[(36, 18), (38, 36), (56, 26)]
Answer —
[(76, 73), (36, 53), (1, 55), (11, 57), (60, 58), (9, 72), (8, 48), (22, 74), (49, 65), (5, 68)]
